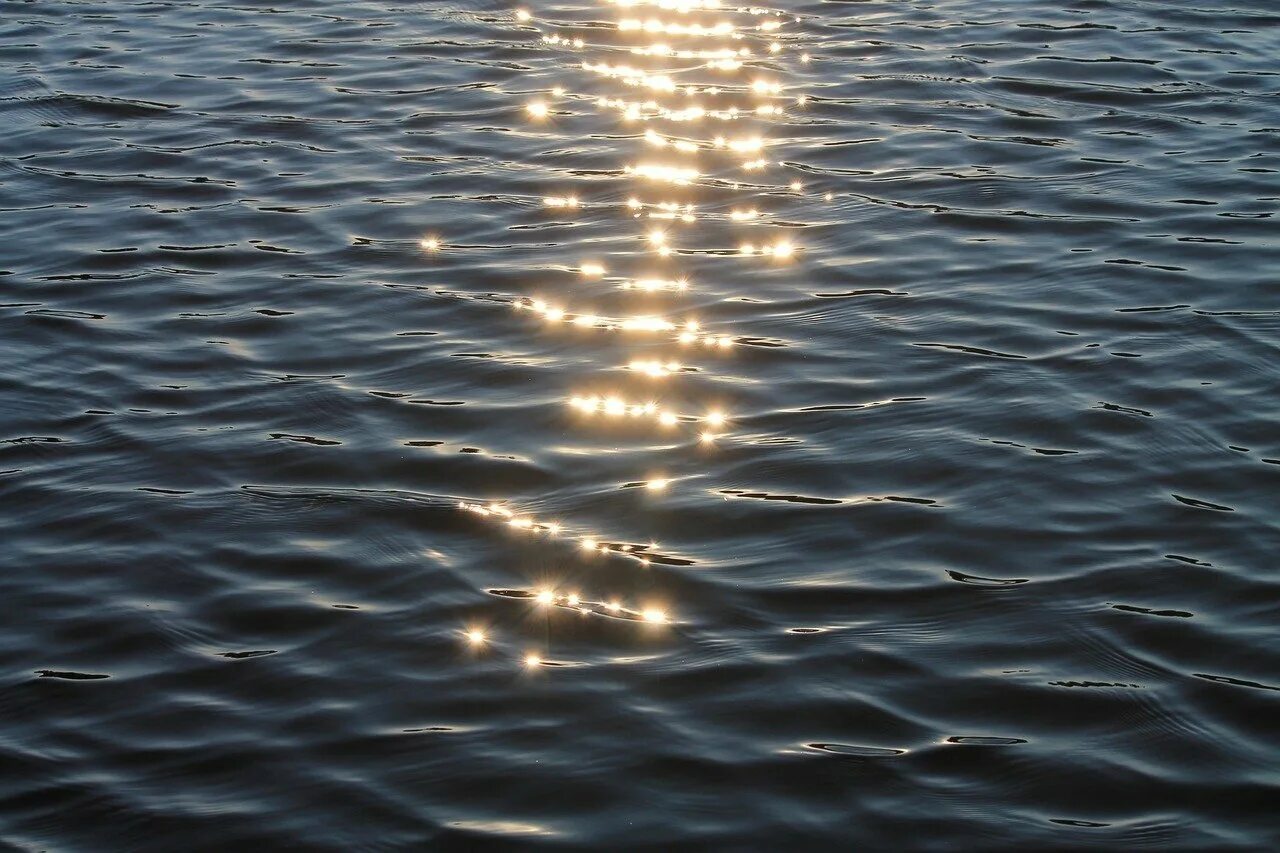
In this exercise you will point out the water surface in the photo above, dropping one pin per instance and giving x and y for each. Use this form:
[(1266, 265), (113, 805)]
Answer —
[(912, 488)]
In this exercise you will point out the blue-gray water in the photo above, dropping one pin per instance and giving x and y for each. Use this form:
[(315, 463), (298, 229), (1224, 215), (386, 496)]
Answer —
[(982, 556)]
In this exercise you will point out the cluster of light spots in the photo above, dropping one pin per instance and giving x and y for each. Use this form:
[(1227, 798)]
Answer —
[(745, 145), (726, 54), (546, 598), (672, 95), (669, 210), (687, 333), (655, 26), (617, 407), (678, 175), (781, 249), (519, 522), (682, 6), (563, 40), (653, 285), (632, 76), (554, 530), (646, 110), (654, 367)]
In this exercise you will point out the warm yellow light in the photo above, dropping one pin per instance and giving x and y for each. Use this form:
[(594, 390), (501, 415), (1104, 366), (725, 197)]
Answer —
[(656, 485), (532, 660), (654, 615), (592, 270), (546, 597), (537, 109), (715, 418), (573, 599), (522, 15), (430, 244), (588, 544), (668, 419), (475, 636)]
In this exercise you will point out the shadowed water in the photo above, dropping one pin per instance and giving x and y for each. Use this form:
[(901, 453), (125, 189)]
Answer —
[(429, 425)]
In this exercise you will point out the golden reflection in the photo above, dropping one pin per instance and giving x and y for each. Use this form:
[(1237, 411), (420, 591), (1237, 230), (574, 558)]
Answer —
[(706, 67), (653, 367), (678, 175), (655, 26), (653, 285), (681, 6)]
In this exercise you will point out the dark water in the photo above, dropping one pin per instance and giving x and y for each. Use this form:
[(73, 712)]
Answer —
[(983, 555)]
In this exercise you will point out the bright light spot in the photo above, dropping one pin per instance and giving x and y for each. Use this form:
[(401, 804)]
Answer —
[(657, 485), (430, 244), (715, 418), (558, 92), (573, 599), (532, 660), (592, 270), (708, 437), (475, 636), (522, 15), (782, 249), (654, 615), (546, 597), (537, 109), (796, 186), (588, 544), (667, 419)]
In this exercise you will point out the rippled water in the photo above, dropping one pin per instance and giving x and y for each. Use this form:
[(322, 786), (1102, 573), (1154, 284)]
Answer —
[(333, 332)]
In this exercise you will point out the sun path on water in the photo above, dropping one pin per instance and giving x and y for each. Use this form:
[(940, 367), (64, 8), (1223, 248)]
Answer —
[(692, 84)]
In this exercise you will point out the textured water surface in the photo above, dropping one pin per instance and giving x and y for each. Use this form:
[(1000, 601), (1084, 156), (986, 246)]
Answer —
[(418, 426)]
